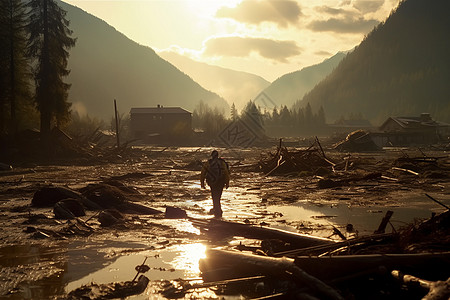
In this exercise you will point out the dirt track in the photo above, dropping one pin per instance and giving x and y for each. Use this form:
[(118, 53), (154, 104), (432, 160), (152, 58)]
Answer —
[(170, 177)]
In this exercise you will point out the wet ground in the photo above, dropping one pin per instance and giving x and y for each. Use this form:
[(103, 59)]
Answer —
[(40, 267)]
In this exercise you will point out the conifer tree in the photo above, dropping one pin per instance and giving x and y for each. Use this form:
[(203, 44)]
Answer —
[(308, 115), (15, 72), (321, 116), (50, 40), (252, 117), (234, 112)]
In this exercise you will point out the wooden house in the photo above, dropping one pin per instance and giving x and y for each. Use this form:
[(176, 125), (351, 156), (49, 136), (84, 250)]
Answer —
[(410, 131), (167, 125)]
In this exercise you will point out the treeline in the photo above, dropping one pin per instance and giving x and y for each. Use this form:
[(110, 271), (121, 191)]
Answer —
[(401, 68), (295, 121), (277, 122), (35, 39)]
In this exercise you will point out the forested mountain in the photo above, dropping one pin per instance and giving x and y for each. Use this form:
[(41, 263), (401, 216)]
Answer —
[(401, 68), (106, 65), (234, 86), (293, 86)]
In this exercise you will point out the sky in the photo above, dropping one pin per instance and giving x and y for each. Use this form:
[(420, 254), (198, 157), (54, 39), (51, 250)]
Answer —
[(268, 38)]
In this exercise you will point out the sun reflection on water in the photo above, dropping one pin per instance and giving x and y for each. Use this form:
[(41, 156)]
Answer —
[(188, 258)]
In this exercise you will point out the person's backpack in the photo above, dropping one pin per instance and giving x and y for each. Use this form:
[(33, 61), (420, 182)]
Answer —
[(215, 173)]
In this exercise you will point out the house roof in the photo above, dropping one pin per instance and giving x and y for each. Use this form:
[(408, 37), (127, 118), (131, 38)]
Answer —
[(158, 110), (415, 122)]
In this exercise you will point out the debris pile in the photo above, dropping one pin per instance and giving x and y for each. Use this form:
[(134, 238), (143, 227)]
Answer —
[(357, 141), (351, 269), (284, 161)]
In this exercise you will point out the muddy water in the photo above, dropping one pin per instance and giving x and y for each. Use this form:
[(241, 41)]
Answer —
[(179, 261), (365, 220)]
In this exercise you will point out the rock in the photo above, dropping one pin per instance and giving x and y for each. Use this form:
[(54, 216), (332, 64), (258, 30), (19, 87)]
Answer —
[(110, 217), (138, 209), (175, 213), (104, 195), (111, 196), (68, 209), (328, 183), (50, 195)]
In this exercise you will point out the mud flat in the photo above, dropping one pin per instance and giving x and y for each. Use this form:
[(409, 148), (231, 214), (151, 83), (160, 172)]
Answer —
[(44, 257)]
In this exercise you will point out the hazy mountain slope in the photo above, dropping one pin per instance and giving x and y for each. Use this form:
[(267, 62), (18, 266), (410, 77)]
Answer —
[(234, 86), (106, 65), (402, 68), (293, 86)]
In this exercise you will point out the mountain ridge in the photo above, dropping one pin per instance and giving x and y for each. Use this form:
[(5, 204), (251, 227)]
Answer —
[(289, 88), (401, 68), (106, 65)]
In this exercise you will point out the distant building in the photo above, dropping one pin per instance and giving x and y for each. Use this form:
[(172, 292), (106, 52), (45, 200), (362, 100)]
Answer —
[(166, 125), (347, 126), (408, 131)]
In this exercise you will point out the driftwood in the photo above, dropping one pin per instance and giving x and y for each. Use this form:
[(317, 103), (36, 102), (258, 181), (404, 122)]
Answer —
[(437, 290), (285, 161), (405, 170), (178, 288), (384, 222), (325, 249), (357, 141), (225, 228), (335, 267), (250, 265)]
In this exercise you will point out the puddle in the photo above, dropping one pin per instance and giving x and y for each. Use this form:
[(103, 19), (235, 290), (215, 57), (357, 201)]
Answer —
[(364, 219), (80, 263), (180, 261)]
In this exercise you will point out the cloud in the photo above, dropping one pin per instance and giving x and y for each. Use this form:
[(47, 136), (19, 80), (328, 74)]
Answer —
[(346, 25), (238, 46), (336, 11), (366, 6), (280, 12)]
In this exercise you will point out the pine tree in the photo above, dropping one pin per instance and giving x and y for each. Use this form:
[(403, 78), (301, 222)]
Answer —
[(285, 116), (15, 74), (321, 116), (252, 117), (234, 112), (308, 115), (49, 44)]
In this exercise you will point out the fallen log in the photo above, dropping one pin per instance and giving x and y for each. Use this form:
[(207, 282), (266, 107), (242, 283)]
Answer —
[(252, 265), (296, 240), (332, 267), (325, 249), (437, 290)]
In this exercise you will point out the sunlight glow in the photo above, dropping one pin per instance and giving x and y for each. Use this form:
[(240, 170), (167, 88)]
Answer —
[(210, 7), (188, 258)]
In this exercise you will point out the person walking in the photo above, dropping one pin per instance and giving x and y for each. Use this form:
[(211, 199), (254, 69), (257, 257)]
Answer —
[(215, 172)]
